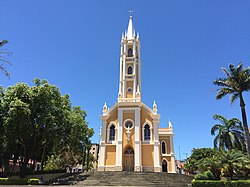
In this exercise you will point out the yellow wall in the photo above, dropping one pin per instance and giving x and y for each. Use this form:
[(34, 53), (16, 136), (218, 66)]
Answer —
[(113, 117), (147, 155), (110, 155), (129, 115)]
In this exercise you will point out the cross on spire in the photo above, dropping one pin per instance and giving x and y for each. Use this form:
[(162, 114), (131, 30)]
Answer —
[(130, 12)]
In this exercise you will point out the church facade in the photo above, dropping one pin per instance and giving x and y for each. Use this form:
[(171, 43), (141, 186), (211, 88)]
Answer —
[(131, 138)]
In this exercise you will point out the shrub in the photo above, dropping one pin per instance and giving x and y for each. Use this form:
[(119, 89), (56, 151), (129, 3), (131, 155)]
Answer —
[(208, 175), (213, 183), (9, 181), (33, 181)]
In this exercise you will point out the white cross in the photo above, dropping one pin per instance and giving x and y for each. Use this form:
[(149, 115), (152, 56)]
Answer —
[(130, 12)]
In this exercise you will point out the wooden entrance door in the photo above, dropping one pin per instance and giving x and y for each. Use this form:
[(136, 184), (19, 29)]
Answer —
[(129, 160), (164, 166)]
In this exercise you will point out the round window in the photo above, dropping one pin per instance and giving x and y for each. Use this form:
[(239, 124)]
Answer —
[(129, 125), (130, 90)]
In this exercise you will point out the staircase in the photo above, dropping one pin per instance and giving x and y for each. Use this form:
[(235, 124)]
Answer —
[(135, 179)]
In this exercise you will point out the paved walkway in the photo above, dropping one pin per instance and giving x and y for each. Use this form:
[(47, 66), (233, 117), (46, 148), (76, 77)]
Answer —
[(76, 185)]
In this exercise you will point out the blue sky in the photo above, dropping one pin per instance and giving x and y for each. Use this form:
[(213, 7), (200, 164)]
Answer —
[(76, 45)]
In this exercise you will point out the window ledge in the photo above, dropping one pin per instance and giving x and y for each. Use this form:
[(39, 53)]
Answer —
[(166, 154), (111, 142), (147, 142)]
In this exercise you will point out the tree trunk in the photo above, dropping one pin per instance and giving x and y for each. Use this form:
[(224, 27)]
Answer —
[(23, 168), (245, 126), (13, 167), (6, 165), (88, 160), (42, 159), (84, 158)]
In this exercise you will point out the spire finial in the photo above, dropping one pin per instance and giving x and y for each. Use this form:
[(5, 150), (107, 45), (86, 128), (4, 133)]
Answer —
[(130, 13)]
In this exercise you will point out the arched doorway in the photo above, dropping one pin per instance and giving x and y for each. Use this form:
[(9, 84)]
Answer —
[(164, 166), (129, 159)]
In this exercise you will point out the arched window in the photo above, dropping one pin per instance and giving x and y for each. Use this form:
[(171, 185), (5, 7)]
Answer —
[(163, 147), (146, 132), (112, 133), (130, 52), (130, 70)]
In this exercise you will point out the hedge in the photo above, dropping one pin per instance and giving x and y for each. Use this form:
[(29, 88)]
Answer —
[(9, 181), (29, 172), (214, 183)]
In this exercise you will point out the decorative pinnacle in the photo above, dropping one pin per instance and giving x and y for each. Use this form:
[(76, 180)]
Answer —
[(169, 124), (105, 108), (155, 107)]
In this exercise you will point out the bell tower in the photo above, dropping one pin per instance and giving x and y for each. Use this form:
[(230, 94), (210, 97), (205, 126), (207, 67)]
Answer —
[(130, 66)]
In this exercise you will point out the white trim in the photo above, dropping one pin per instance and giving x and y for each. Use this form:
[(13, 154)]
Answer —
[(138, 155), (164, 154), (166, 133), (119, 141), (173, 163), (134, 70), (108, 133), (143, 135), (171, 144), (156, 124)]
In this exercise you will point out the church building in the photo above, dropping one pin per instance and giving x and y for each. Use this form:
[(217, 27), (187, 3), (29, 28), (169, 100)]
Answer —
[(131, 138)]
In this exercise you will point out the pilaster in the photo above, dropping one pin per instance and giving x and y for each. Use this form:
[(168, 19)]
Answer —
[(118, 165), (138, 159), (124, 70), (101, 162), (134, 69), (172, 154), (156, 123)]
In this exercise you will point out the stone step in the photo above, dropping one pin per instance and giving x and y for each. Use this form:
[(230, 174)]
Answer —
[(135, 179)]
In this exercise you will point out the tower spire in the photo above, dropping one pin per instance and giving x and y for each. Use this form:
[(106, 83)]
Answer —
[(131, 30), (130, 64)]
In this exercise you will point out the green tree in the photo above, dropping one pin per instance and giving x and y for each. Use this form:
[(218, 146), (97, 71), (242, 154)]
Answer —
[(54, 162), (230, 133), (192, 162), (3, 59), (37, 122), (32, 118), (236, 82)]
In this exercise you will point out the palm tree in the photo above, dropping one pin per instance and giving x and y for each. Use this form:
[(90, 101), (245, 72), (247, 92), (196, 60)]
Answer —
[(236, 82), (2, 58), (230, 133)]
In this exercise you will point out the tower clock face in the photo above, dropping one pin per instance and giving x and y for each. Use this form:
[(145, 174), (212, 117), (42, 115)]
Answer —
[(130, 90)]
